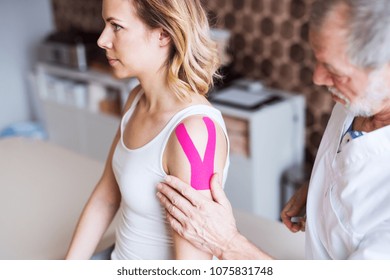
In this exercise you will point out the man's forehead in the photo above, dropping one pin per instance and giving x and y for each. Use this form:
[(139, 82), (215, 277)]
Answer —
[(315, 41), (334, 21)]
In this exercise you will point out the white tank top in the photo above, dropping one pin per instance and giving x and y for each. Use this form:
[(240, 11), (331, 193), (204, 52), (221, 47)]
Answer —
[(142, 231)]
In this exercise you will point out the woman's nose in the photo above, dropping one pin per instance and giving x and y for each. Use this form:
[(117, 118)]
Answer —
[(104, 40)]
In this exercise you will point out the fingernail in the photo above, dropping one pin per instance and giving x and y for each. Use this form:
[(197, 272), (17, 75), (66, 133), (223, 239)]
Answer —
[(167, 178), (158, 194), (159, 186)]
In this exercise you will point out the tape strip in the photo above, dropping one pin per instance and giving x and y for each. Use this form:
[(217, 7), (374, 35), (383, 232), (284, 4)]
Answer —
[(201, 170)]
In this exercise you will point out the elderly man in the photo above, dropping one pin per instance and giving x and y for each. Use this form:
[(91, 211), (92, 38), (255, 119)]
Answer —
[(348, 199)]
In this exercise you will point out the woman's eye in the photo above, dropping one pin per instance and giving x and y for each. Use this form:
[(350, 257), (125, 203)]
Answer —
[(116, 27)]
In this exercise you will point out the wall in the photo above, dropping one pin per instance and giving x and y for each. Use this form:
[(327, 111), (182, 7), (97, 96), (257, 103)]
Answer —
[(269, 42), (23, 24)]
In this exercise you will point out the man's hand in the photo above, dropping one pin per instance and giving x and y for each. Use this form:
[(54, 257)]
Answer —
[(208, 225), (296, 207)]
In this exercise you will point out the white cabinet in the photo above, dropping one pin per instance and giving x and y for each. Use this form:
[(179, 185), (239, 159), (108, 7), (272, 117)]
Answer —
[(72, 102), (265, 142)]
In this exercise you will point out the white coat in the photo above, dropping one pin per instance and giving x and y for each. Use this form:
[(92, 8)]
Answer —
[(348, 207)]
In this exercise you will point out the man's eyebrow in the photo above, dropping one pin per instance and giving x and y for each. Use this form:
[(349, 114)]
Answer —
[(331, 68)]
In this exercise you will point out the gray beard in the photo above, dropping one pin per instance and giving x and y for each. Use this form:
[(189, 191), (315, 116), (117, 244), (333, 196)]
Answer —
[(373, 98)]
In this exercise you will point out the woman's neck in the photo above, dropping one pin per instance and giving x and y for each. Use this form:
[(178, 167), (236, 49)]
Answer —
[(157, 94)]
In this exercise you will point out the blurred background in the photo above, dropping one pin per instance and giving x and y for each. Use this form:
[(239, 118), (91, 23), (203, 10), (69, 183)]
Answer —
[(56, 87)]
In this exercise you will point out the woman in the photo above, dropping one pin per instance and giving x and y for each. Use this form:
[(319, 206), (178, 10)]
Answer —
[(168, 127)]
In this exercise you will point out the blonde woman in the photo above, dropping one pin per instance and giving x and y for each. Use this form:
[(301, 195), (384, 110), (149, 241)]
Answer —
[(168, 127)]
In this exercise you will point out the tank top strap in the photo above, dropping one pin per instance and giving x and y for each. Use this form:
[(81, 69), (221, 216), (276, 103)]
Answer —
[(196, 110), (209, 111)]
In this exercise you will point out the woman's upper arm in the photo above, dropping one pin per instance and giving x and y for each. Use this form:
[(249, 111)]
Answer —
[(196, 149), (197, 144)]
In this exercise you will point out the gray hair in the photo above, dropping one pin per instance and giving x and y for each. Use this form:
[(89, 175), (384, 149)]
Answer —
[(368, 25)]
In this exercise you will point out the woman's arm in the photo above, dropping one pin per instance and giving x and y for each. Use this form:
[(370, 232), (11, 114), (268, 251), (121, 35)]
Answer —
[(187, 210), (97, 213), (189, 162)]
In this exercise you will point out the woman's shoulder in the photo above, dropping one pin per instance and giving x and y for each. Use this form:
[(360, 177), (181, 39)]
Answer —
[(195, 122), (201, 106), (200, 128), (198, 113), (197, 136)]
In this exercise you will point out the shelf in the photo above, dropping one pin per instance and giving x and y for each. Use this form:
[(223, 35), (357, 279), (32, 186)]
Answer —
[(73, 117), (86, 76)]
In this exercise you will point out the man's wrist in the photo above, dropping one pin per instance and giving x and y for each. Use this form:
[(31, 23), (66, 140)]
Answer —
[(240, 248), (232, 250)]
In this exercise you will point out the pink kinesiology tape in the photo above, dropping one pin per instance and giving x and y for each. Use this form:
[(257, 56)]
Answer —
[(201, 170)]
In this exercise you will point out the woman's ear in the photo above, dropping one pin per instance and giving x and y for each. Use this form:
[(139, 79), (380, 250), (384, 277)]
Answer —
[(164, 38)]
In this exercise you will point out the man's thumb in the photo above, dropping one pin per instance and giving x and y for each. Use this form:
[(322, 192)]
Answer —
[(216, 190)]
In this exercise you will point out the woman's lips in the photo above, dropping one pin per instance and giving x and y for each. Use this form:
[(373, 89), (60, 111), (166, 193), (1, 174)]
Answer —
[(112, 61)]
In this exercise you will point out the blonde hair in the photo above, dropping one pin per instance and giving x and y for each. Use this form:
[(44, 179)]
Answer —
[(193, 60)]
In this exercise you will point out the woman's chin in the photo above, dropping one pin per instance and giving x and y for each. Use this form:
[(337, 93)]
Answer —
[(119, 75)]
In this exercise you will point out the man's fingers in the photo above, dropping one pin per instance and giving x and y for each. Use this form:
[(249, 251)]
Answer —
[(217, 192), (184, 189), (176, 218), (186, 234), (175, 224), (285, 219), (172, 201), (294, 224)]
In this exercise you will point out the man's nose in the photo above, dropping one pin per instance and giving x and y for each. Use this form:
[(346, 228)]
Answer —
[(321, 76)]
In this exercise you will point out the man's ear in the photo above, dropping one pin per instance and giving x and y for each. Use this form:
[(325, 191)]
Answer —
[(164, 38)]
